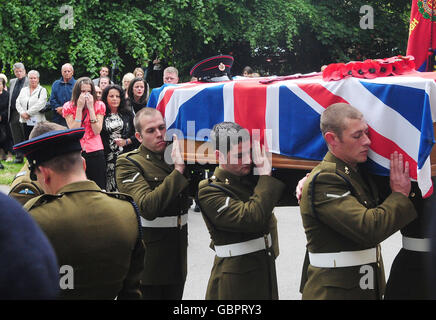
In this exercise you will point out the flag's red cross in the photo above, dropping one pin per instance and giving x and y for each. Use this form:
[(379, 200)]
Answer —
[(426, 9)]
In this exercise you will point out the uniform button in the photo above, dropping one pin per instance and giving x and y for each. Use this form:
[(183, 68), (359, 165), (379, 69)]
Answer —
[(155, 178), (412, 194)]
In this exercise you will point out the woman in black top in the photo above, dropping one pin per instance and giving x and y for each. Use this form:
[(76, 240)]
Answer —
[(118, 132), (5, 135), (138, 92)]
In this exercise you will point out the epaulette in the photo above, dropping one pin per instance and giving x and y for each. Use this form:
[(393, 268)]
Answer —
[(42, 199), (118, 195)]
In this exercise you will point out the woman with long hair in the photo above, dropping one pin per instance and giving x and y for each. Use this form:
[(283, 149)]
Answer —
[(118, 132), (138, 94), (84, 110)]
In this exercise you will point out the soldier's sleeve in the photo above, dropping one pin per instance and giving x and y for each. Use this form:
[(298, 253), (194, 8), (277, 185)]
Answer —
[(131, 286), (151, 202), (232, 214), (336, 206)]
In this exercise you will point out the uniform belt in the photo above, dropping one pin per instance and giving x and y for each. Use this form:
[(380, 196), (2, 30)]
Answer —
[(241, 248), (343, 258), (416, 244), (165, 222)]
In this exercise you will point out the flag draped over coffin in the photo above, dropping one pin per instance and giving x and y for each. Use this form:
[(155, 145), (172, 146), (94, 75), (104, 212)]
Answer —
[(422, 32), (398, 110)]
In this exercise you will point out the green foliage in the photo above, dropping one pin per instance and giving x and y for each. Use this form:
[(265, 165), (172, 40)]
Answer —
[(277, 36)]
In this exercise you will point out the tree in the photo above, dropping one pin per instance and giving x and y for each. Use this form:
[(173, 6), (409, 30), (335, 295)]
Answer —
[(273, 36)]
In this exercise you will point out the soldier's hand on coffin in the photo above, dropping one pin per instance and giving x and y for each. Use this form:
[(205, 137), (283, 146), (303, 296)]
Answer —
[(399, 175), (176, 155), (261, 158)]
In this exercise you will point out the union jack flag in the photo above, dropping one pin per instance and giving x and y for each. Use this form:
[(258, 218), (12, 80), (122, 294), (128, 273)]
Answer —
[(399, 110)]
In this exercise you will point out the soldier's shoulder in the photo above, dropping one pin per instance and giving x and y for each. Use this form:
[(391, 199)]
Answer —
[(118, 196), (212, 184), (41, 201)]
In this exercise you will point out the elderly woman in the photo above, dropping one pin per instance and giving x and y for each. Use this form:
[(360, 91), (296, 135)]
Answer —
[(30, 102), (138, 94), (84, 110), (118, 133)]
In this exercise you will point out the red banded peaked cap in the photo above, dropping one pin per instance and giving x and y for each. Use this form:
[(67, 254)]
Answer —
[(209, 67), (51, 144)]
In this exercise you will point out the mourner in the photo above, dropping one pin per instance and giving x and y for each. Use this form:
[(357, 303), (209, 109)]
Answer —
[(237, 207), (160, 191), (95, 235), (343, 215)]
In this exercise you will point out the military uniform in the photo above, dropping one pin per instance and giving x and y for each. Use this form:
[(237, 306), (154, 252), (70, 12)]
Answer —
[(97, 234), (408, 277), (345, 221), (23, 188), (238, 211), (160, 192)]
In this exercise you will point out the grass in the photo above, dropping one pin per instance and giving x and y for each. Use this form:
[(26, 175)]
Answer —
[(8, 173)]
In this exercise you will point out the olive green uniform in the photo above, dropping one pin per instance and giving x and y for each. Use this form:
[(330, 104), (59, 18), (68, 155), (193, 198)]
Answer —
[(23, 188), (159, 191), (95, 233), (341, 211), (238, 210)]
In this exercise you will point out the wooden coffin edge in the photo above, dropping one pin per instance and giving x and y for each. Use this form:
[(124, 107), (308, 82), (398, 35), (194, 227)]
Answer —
[(278, 161)]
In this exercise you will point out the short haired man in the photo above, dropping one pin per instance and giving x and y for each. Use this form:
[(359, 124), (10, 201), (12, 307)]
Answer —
[(104, 72), (171, 75), (61, 91), (16, 84), (237, 208), (95, 235), (343, 216), (104, 82), (161, 191)]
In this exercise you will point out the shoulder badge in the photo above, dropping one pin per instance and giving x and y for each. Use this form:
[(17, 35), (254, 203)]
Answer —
[(42, 199)]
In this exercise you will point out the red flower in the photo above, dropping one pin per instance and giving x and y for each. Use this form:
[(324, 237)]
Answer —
[(370, 69), (408, 63), (385, 68), (397, 67), (357, 69), (332, 72), (347, 70)]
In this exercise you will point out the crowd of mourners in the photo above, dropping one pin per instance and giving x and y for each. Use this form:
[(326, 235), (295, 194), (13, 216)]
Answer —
[(105, 109), (75, 103)]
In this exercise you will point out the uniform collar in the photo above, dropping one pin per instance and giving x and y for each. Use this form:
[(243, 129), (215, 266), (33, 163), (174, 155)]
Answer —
[(150, 155), (229, 178), (340, 164), (156, 158), (357, 175), (85, 185)]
